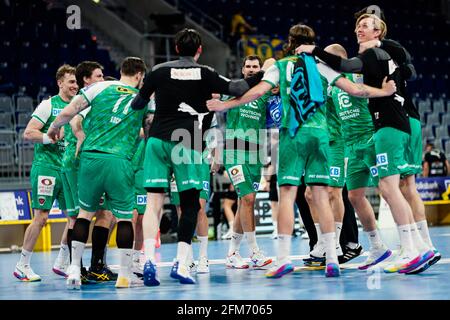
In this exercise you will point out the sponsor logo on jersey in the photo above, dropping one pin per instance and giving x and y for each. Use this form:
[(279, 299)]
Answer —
[(125, 90), (56, 111), (141, 199), (255, 186), (344, 100), (236, 174), (186, 74), (382, 159), (374, 171), (335, 172), (206, 185), (102, 201), (46, 185), (41, 200)]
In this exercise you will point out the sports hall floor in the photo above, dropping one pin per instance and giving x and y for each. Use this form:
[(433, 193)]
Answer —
[(227, 284)]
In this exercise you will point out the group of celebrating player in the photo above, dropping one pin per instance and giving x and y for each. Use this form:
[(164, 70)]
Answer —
[(341, 121)]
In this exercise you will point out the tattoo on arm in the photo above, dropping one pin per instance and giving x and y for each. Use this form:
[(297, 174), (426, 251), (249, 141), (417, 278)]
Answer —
[(364, 90)]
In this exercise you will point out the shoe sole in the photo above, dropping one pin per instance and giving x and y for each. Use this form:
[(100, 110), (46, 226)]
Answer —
[(286, 270), (385, 255), (150, 280), (60, 273), (73, 284), (182, 280), (408, 265), (234, 267), (421, 263), (24, 279), (433, 261), (255, 266), (332, 271)]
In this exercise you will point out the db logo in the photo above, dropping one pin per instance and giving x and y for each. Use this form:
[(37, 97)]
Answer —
[(382, 159), (234, 171), (374, 171), (46, 182), (141, 199)]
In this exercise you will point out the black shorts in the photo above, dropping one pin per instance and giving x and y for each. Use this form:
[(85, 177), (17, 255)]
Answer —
[(232, 195), (273, 190)]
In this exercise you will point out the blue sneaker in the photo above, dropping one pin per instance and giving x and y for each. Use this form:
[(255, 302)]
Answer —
[(181, 273), (151, 278)]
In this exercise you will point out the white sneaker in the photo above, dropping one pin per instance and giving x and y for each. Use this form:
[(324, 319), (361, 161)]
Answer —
[(235, 261), (318, 251), (23, 272), (203, 265), (60, 266), (274, 234), (376, 255), (227, 236), (73, 281), (259, 260), (137, 268), (339, 251), (128, 280), (404, 260)]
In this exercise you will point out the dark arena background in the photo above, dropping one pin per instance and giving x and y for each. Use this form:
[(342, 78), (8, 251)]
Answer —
[(38, 37)]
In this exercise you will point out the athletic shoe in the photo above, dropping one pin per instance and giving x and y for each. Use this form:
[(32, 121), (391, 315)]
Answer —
[(137, 268), (436, 258), (339, 251), (227, 236), (314, 261), (60, 266), (23, 272), (404, 261), (424, 258), (150, 274), (180, 272), (274, 234), (332, 270), (375, 256), (128, 281), (350, 254), (235, 261), (280, 269), (203, 265), (259, 260), (73, 281), (101, 273), (318, 251)]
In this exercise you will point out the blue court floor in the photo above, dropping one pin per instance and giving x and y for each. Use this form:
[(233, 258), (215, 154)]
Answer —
[(227, 284)]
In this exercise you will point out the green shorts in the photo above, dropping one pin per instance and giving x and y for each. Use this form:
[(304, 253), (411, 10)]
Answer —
[(46, 187), (362, 169), (244, 171), (390, 147), (337, 163), (139, 192), (105, 173), (70, 185), (414, 150), (206, 175), (164, 157), (306, 153)]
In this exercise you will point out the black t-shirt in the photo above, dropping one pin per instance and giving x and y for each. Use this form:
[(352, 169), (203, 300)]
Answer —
[(436, 162), (385, 111), (181, 89), (399, 54)]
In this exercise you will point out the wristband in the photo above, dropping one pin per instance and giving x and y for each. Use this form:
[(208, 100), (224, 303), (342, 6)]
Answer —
[(45, 139)]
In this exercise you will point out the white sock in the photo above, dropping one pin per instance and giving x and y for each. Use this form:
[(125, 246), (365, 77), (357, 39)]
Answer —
[(25, 257), (284, 246), (235, 242), (125, 261), (77, 252), (406, 241), (374, 239), (149, 249), (417, 239), (422, 226), (338, 226), (183, 252), (329, 242), (63, 253), (136, 255), (203, 246), (251, 241), (190, 256), (318, 231)]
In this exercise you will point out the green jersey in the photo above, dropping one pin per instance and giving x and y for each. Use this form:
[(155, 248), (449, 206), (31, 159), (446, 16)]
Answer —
[(49, 155), (111, 126), (356, 121), (333, 120), (244, 122), (69, 160), (281, 73)]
